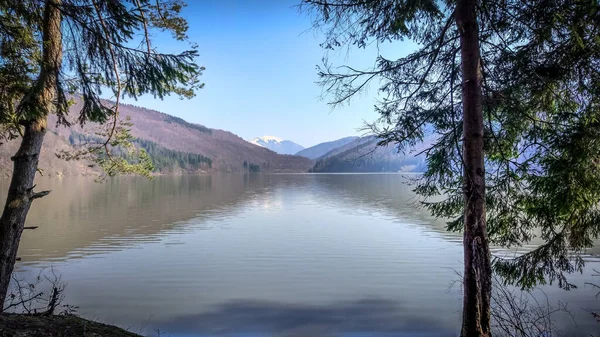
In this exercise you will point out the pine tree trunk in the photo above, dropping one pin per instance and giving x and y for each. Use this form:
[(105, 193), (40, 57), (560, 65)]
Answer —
[(25, 161), (477, 273)]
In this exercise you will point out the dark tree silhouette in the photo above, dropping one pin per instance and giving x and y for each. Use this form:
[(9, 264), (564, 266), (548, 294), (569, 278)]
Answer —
[(507, 89)]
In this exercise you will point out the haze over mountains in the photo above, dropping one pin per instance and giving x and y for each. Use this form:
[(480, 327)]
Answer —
[(363, 155), (177, 146), (320, 150)]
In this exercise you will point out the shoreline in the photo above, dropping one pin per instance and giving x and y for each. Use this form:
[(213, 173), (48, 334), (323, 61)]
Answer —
[(38, 325)]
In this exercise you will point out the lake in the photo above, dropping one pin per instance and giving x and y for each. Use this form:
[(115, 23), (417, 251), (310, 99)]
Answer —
[(259, 255)]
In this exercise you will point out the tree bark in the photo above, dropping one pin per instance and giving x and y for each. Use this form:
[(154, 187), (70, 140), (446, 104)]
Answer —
[(477, 273), (41, 99)]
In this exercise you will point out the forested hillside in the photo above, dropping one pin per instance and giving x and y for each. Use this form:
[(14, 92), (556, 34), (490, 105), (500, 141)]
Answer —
[(321, 149), (363, 155), (173, 144)]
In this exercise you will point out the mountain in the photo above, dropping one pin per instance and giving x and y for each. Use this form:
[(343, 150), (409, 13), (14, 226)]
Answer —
[(175, 146), (320, 150), (363, 155), (277, 144)]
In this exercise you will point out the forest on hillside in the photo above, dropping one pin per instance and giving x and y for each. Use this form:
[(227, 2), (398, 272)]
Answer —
[(163, 159)]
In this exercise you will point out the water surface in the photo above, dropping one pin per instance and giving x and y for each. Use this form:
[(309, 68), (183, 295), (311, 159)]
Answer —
[(257, 255)]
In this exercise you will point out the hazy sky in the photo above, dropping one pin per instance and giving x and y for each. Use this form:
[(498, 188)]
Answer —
[(260, 58)]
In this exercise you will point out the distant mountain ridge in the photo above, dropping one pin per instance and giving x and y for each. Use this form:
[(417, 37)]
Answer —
[(319, 150), (363, 155), (177, 146), (277, 144)]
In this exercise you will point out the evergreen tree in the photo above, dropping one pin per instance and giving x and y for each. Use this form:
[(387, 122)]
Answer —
[(52, 50), (509, 88)]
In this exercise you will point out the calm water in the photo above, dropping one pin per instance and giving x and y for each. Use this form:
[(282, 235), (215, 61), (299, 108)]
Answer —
[(257, 255)]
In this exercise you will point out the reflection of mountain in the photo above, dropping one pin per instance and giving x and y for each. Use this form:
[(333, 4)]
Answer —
[(388, 192), (82, 217)]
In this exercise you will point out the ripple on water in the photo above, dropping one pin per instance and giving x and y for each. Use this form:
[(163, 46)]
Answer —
[(339, 255)]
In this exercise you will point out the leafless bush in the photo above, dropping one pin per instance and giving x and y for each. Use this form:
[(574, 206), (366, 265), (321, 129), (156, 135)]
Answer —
[(42, 295), (519, 313), (522, 313), (595, 314), (161, 334)]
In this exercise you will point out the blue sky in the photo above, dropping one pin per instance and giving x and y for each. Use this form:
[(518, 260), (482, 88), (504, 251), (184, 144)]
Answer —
[(260, 58)]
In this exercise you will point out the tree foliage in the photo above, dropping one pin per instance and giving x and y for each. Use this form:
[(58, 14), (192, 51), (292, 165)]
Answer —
[(55, 51), (539, 62), (19, 60), (107, 46)]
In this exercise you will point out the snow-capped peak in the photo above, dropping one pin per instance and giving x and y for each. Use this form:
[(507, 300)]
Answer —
[(267, 139), (277, 144)]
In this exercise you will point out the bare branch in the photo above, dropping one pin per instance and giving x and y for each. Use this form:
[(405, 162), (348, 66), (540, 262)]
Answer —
[(39, 195)]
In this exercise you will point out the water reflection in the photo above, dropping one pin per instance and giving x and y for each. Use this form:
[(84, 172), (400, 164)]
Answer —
[(81, 217), (287, 255), (390, 193)]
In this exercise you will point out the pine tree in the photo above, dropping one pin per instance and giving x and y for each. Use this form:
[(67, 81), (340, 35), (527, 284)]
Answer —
[(54, 50), (508, 89)]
